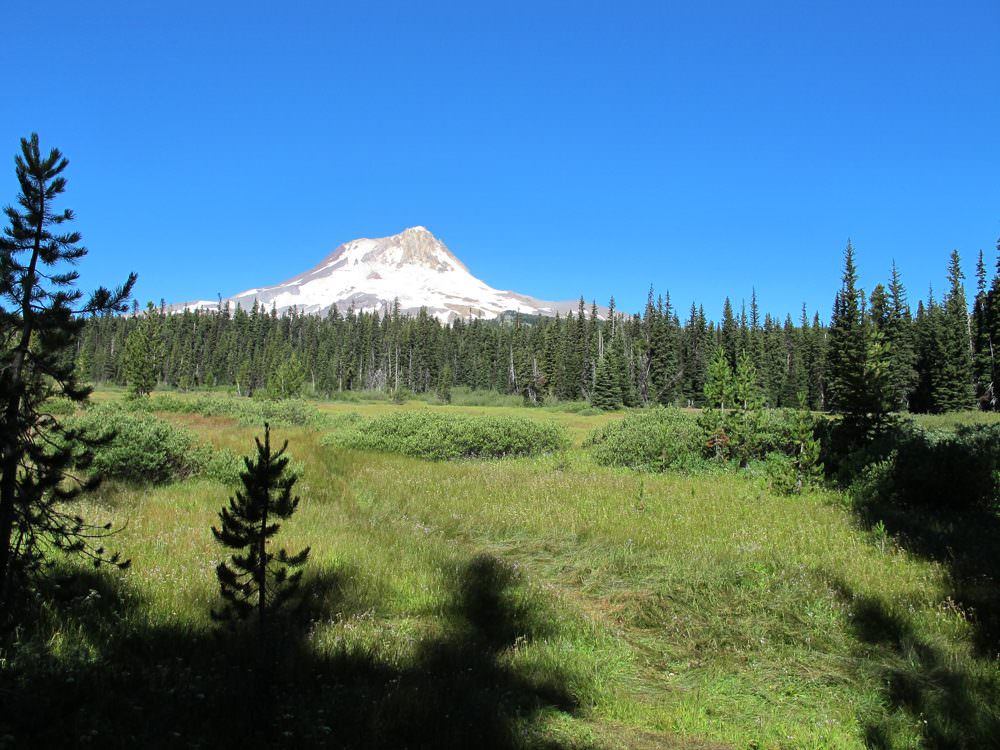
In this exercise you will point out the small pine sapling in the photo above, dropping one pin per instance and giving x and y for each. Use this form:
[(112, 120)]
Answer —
[(256, 580)]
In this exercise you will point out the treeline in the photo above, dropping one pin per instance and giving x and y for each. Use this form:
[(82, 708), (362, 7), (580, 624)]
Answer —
[(875, 348)]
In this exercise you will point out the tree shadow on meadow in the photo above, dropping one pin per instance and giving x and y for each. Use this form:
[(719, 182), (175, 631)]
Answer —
[(966, 542), (934, 494), (938, 495), (953, 702), (130, 684)]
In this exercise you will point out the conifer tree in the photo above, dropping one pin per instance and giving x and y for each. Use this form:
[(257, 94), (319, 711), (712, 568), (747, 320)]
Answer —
[(806, 452), (143, 352), (256, 581), (746, 384), (899, 338), (729, 333), (445, 380), (951, 378), (719, 385), (288, 378), (983, 343), (607, 393), (40, 329), (846, 358), (991, 396)]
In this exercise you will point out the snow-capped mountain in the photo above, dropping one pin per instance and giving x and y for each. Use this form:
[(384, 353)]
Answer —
[(413, 267)]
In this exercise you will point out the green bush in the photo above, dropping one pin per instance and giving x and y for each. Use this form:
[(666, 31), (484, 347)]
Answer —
[(746, 436), (136, 446), (940, 469), (447, 436), (289, 412), (778, 471), (60, 407), (653, 440)]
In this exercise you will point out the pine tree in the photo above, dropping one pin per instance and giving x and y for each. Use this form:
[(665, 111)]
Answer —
[(729, 333), (806, 452), (143, 353), (984, 355), (288, 378), (991, 394), (255, 581), (40, 334)]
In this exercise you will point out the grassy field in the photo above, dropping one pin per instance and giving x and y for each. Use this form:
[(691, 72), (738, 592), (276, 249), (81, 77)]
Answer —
[(536, 602)]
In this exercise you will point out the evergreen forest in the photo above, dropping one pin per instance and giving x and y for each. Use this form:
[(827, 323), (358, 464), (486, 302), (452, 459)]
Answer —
[(875, 353)]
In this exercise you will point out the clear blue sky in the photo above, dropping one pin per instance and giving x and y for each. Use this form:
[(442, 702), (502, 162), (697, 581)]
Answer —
[(557, 148)]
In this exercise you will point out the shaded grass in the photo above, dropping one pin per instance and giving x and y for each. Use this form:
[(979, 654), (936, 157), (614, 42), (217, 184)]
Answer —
[(150, 684)]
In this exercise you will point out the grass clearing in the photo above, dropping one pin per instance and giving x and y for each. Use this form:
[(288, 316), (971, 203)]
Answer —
[(530, 602)]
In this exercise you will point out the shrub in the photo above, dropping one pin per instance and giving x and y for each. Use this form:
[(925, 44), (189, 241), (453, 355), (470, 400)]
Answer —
[(137, 446), (779, 472), (447, 436), (464, 396), (60, 407), (289, 412), (653, 440), (938, 469)]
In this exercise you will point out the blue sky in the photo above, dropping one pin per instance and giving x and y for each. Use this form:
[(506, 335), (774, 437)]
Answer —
[(559, 149)]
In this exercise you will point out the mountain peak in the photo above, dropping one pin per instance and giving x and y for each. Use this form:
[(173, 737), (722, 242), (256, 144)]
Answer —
[(415, 246), (413, 268)]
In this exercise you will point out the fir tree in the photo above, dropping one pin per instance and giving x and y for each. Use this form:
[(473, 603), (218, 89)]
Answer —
[(846, 359), (806, 451), (288, 378), (984, 356), (951, 375), (607, 393), (899, 337), (40, 333), (746, 385)]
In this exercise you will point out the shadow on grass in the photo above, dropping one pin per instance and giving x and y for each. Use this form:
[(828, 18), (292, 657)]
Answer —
[(935, 494), (154, 686), (952, 700), (967, 543)]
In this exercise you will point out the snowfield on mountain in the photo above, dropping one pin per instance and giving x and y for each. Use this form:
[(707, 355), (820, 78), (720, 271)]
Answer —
[(413, 267)]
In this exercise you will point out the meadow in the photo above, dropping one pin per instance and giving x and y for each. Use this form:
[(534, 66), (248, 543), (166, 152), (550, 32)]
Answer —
[(540, 601)]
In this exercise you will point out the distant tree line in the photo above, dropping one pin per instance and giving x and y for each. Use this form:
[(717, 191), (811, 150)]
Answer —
[(876, 353)]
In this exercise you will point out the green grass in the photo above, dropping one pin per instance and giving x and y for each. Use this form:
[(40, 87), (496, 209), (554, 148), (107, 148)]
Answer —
[(532, 602), (955, 419)]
